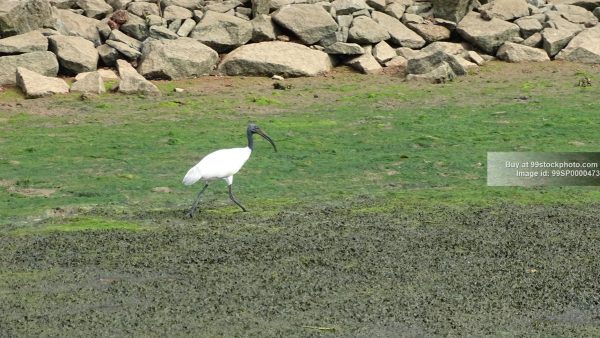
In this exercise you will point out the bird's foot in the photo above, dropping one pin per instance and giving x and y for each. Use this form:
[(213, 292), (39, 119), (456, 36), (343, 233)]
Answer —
[(190, 214)]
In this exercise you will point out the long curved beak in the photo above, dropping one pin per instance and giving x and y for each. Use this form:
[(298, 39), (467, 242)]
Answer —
[(266, 137)]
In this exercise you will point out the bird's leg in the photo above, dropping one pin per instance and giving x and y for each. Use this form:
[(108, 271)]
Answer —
[(195, 205), (234, 200)]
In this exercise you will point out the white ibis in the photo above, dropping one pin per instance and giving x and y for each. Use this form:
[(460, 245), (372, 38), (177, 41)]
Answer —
[(223, 164)]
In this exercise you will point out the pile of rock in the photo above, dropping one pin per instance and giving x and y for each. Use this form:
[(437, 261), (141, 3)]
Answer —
[(174, 39)]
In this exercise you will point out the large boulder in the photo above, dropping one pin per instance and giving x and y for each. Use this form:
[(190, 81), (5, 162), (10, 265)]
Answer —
[(587, 4), (505, 9), (37, 85), (44, 63), (554, 39), (132, 82), (176, 59), (189, 4), (263, 28), (175, 12), (399, 33), (486, 35), (344, 48), (75, 54), (91, 82), (24, 43), (452, 10), (310, 22), (143, 9), (136, 27), (22, 16), (222, 32), (366, 31), (430, 32), (514, 52), (343, 7), (275, 57), (577, 15), (366, 63), (426, 63), (584, 48), (97, 9), (69, 23)]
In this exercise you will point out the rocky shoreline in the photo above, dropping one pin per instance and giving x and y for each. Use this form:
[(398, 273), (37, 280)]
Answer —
[(176, 39)]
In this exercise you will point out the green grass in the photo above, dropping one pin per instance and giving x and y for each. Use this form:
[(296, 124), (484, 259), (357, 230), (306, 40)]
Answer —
[(404, 144)]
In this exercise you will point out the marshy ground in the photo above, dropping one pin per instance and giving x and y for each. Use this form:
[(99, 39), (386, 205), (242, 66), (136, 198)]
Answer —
[(373, 219)]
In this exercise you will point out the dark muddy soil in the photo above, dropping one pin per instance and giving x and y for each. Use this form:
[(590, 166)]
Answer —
[(509, 270)]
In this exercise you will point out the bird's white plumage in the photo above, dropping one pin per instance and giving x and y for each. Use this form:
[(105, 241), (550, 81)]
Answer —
[(222, 163)]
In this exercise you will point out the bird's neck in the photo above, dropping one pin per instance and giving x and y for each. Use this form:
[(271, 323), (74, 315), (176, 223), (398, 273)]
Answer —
[(250, 141)]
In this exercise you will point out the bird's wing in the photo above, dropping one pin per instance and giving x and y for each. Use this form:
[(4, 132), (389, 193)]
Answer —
[(219, 164)]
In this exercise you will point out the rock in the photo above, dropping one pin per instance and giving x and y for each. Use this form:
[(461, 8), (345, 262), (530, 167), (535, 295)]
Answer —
[(155, 20), (120, 17), (382, 52), (132, 82), (186, 27), (425, 63), (69, 23), (275, 57), (24, 43), (399, 33), (189, 4), (105, 74), (176, 12), (451, 10), (430, 32), (108, 55), (176, 59), (92, 82), (407, 53), (533, 41), (309, 22), (396, 61), (260, 7), (486, 35), (475, 57), (75, 54), (62, 4), (395, 10), (556, 39), (506, 9), (378, 5), (528, 26), (118, 4), (36, 85), (412, 18), (123, 48), (576, 14), (450, 48), (344, 48), (587, 4), (513, 52), (124, 38), (143, 9), (222, 7), (365, 30), (96, 9), (365, 63), (162, 32), (44, 63), (136, 27), (263, 28), (343, 7), (440, 73), (22, 16), (596, 12), (104, 28), (222, 32), (418, 8), (583, 48)]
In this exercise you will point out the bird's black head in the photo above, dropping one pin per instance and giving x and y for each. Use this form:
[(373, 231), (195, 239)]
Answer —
[(254, 129)]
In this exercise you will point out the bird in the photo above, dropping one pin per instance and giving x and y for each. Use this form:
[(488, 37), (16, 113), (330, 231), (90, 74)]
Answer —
[(223, 164)]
